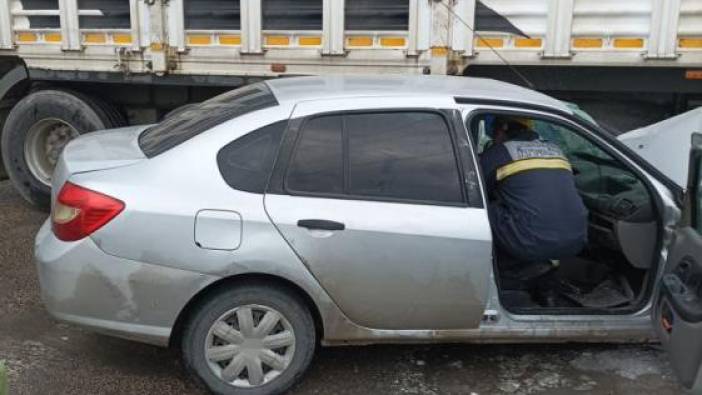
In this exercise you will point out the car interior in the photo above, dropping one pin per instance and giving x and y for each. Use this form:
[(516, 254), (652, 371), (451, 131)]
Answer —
[(611, 274)]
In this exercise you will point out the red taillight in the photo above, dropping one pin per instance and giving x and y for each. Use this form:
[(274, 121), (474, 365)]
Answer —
[(79, 212)]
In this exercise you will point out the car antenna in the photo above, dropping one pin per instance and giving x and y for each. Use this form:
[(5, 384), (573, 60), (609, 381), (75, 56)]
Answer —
[(476, 34)]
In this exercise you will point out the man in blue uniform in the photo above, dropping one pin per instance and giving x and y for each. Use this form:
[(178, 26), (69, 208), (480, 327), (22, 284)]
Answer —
[(535, 210)]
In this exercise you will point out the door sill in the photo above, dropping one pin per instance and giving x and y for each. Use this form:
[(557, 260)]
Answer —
[(558, 311)]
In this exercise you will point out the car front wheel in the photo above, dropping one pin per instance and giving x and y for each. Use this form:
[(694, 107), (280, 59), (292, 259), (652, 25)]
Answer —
[(250, 340)]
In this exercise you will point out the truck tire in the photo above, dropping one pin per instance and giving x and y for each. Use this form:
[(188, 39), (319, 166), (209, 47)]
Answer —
[(3, 116), (271, 328), (36, 130)]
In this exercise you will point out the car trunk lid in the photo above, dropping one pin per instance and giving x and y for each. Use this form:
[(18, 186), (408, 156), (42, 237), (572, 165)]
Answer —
[(101, 150)]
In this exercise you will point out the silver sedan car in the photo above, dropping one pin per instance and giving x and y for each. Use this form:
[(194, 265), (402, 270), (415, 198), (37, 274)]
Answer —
[(351, 210)]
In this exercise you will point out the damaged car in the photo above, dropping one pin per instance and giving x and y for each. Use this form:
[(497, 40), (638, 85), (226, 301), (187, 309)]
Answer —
[(347, 210)]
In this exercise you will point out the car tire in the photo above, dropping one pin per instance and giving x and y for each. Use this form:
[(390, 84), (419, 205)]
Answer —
[(199, 334), (75, 112)]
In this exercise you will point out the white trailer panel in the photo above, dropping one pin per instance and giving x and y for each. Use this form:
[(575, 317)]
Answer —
[(274, 37)]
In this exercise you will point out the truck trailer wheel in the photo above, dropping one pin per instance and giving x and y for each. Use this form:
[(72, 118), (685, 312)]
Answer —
[(3, 115), (38, 128)]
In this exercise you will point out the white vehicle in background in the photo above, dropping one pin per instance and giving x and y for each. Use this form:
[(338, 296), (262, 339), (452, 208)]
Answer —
[(118, 62)]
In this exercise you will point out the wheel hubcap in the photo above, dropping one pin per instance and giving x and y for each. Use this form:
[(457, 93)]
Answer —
[(45, 142), (250, 345)]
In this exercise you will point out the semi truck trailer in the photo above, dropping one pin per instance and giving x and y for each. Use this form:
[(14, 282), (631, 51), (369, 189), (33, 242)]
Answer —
[(69, 67)]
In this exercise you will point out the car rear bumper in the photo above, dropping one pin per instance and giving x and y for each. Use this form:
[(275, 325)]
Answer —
[(81, 284)]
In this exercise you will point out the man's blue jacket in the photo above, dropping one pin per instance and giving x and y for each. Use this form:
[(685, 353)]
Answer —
[(535, 210)]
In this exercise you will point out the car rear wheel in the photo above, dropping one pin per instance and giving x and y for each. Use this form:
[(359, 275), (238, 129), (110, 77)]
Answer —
[(250, 340), (38, 128)]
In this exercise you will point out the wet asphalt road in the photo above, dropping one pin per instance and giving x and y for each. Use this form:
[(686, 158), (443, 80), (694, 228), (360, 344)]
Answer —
[(46, 357)]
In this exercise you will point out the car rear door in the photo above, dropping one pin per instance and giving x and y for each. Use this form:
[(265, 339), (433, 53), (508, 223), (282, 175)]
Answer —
[(677, 313), (378, 204)]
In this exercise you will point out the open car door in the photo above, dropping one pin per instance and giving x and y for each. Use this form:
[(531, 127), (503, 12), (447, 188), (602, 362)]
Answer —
[(677, 313)]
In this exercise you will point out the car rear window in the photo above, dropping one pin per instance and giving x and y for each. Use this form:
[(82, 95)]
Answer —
[(204, 116)]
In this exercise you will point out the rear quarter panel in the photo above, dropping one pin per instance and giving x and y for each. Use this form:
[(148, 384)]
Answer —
[(162, 197)]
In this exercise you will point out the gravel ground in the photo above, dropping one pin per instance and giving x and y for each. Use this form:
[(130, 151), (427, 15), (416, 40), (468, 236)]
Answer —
[(46, 357)]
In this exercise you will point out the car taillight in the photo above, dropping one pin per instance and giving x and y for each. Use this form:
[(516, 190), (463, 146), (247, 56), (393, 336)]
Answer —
[(78, 212)]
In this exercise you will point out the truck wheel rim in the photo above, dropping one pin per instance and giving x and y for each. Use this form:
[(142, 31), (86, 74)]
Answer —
[(250, 346), (45, 141)]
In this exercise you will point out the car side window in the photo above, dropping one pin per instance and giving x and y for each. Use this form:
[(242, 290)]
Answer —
[(601, 179), (317, 165), (246, 163), (402, 155), (547, 130), (597, 172), (570, 142)]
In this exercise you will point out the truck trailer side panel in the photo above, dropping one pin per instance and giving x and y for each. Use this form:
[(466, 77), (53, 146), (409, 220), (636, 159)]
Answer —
[(277, 37)]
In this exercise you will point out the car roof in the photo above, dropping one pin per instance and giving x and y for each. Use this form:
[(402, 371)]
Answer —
[(296, 89)]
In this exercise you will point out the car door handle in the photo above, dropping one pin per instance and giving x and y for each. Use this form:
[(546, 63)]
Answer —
[(322, 224)]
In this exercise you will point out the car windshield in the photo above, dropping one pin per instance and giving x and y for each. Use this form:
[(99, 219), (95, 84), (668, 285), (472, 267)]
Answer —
[(580, 113), (204, 116)]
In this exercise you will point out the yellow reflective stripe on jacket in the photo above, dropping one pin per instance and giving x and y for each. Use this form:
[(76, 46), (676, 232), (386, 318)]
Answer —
[(531, 164)]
